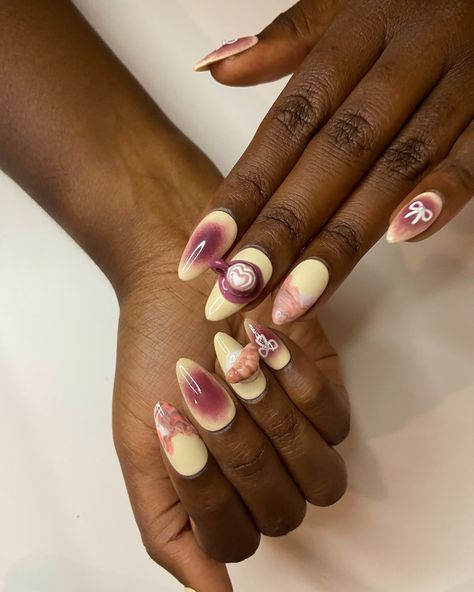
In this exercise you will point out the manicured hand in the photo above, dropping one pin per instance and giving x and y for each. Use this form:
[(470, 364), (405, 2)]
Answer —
[(235, 461), (374, 131)]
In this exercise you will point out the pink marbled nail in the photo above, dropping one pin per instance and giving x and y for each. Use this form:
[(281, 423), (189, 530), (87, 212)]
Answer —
[(226, 50), (301, 289), (415, 217), (180, 441)]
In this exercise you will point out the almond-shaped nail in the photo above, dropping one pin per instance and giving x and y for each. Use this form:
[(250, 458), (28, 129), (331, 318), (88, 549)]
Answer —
[(300, 290), (189, 590), (270, 347), (211, 239), (226, 50), (219, 306), (184, 448), (415, 217), (247, 380), (207, 400)]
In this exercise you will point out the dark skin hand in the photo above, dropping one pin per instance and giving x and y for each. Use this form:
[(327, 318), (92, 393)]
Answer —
[(80, 135), (376, 125)]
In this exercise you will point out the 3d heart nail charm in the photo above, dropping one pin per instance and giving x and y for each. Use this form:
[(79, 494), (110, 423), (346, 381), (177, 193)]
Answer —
[(239, 281), (241, 277)]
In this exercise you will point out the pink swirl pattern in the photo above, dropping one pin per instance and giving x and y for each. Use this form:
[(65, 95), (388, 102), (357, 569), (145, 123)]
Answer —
[(291, 303), (170, 422)]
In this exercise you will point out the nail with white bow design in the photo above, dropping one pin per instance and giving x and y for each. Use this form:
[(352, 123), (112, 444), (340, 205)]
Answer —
[(270, 347), (415, 217)]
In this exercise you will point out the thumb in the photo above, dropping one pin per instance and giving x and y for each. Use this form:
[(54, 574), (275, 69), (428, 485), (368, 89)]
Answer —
[(278, 50), (163, 522)]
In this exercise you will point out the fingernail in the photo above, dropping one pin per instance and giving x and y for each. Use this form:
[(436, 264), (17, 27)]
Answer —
[(226, 50), (233, 358), (300, 290), (218, 307), (270, 347), (189, 590), (211, 239), (184, 448), (208, 401), (414, 218)]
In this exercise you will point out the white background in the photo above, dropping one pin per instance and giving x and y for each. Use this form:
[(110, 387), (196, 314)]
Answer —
[(403, 323)]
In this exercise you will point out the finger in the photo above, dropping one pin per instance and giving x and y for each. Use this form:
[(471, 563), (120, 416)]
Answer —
[(161, 518), (442, 194), (333, 164), (220, 521), (310, 98), (317, 469), (281, 48), (244, 454), (362, 219), (325, 405), (328, 170)]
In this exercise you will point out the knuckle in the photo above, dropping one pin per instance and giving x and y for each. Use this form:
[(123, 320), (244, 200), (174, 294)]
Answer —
[(334, 486), (254, 185), (408, 158), (352, 133), (285, 217), (297, 113), (282, 525), (248, 462), (345, 237), (460, 172), (285, 428), (342, 430)]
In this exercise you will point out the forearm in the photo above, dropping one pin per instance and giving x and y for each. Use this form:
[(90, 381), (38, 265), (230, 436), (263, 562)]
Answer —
[(80, 135)]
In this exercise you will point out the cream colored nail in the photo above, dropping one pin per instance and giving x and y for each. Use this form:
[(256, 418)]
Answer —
[(189, 590), (208, 401), (301, 289), (271, 348), (228, 351), (184, 448), (210, 240), (217, 307)]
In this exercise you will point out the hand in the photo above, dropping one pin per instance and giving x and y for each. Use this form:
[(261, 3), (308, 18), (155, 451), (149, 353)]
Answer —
[(160, 322), (376, 123), (108, 181)]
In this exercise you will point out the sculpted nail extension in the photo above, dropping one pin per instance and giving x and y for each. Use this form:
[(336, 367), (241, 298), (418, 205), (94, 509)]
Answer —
[(270, 347), (210, 404), (300, 290), (226, 50), (241, 366), (241, 281), (415, 217), (180, 441), (212, 238)]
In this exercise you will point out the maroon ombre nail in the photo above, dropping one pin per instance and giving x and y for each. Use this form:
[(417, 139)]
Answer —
[(211, 239), (270, 347), (415, 217), (209, 403)]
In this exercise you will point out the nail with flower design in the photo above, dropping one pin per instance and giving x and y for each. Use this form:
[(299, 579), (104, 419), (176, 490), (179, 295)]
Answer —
[(270, 347), (415, 217)]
